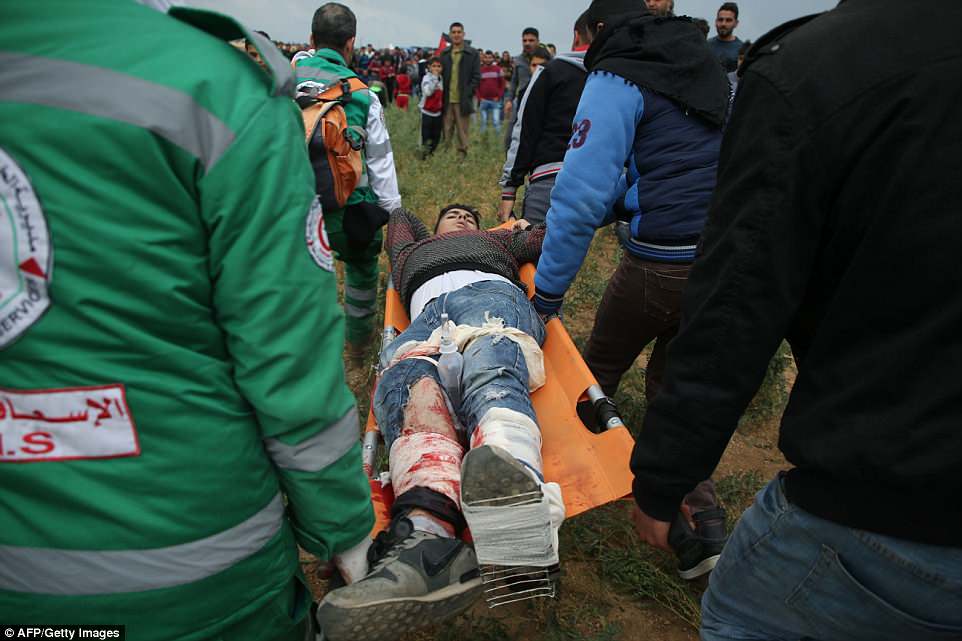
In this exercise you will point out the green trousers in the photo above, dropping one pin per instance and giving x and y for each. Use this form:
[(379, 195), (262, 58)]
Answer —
[(360, 278)]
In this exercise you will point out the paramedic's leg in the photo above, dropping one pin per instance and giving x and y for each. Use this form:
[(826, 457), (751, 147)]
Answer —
[(360, 280)]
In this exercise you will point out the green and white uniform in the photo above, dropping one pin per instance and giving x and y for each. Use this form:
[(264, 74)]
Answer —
[(170, 340), (378, 185)]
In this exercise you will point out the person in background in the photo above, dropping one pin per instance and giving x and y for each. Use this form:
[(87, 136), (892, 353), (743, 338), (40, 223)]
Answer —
[(490, 92), (507, 70), (702, 25), (172, 385), (835, 226), (733, 76), (670, 148), (521, 65), (725, 45), (553, 50), (541, 134), (661, 7), (432, 106), (461, 71), (252, 51), (353, 231), (403, 92), (389, 76)]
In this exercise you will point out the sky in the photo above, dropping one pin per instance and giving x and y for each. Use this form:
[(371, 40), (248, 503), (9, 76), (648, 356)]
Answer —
[(491, 24)]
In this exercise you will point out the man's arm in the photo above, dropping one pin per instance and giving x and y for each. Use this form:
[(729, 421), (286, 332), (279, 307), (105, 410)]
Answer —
[(380, 158), (403, 230), (588, 183), (276, 302), (759, 248), (524, 138)]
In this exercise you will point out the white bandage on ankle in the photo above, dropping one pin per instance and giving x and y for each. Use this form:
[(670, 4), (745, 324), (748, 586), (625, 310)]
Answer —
[(511, 431), (525, 533), (427, 459)]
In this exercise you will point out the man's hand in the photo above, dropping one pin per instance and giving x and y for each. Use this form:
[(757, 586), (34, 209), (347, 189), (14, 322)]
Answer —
[(521, 224), (651, 531), (507, 109), (505, 211)]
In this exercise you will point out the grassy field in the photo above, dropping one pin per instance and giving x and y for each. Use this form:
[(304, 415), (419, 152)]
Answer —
[(612, 588)]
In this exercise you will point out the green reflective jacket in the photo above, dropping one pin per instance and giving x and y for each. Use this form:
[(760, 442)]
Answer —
[(327, 66), (170, 339)]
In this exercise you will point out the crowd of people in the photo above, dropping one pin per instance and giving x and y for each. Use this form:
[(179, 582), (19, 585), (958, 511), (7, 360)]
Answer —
[(174, 416)]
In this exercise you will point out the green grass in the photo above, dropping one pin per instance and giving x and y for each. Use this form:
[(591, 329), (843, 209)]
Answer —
[(611, 564)]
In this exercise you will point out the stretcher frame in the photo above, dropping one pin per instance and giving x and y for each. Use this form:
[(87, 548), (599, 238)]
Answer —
[(592, 469)]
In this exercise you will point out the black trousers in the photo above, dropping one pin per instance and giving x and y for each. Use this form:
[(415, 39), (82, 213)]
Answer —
[(430, 132)]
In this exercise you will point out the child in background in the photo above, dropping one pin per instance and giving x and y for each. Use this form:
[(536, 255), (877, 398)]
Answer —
[(432, 95), (403, 92)]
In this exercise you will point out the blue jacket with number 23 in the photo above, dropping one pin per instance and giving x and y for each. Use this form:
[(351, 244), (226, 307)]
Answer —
[(636, 155)]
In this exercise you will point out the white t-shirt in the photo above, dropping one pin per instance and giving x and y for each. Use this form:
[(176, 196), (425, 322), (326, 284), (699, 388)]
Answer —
[(448, 282)]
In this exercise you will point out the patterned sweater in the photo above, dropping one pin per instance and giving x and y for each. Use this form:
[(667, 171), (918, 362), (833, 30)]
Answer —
[(417, 256)]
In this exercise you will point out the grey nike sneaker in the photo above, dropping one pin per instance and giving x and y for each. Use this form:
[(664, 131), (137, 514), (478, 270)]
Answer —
[(416, 578)]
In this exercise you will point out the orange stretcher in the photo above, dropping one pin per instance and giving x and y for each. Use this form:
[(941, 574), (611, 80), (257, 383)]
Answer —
[(591, 468)]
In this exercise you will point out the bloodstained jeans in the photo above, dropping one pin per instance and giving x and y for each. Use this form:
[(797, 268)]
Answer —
[(494, 374)]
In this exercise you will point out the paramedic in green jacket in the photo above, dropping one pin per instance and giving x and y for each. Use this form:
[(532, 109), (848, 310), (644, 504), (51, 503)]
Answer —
[(333, 31), (173, 412)]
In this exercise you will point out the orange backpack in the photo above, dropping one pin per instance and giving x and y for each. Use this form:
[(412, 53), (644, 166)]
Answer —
[(334, 146)]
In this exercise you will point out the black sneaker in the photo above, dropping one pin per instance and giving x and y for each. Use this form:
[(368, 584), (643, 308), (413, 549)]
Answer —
[(416, 578), (698, 550)]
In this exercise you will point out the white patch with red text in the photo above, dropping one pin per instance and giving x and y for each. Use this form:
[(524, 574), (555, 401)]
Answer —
[(66, 424), (26, 255), (317, 243)]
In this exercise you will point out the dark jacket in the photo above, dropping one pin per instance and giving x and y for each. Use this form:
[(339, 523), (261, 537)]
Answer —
[(417, 255), (545, 115), (835, 224), (469, 77)]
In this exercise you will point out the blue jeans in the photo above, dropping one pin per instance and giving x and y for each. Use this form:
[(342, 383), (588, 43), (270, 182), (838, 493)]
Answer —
[(493, 109), (494, 374), (787, 574)]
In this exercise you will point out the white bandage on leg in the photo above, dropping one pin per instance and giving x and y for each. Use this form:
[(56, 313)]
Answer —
[(525, 533), (511, 431), (427, 459)]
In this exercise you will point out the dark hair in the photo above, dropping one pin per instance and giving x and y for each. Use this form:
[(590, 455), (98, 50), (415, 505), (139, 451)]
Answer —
[(333, 25), (541, 52), (532, 31), (456, 24), (434, 59), (702, 25), (729, 6), (468, 208), (581, 26)]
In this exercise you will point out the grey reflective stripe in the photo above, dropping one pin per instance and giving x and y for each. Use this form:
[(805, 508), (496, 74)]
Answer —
[(360, 294), (378, 150), (363, 182), (305, 72), (319, 451), (86, 572), (169, 113), (279, 65), (358, 312)]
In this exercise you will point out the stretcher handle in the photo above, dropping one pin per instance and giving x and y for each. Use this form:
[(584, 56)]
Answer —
[(606, 412)]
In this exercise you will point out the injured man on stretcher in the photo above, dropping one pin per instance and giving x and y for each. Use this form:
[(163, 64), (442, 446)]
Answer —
[(470, 456)]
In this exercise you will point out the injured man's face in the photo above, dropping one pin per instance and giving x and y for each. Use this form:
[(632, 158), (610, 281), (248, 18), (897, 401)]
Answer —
[(456, 219)]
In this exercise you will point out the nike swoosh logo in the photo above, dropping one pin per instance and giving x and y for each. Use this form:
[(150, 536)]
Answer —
[(433, 566)]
